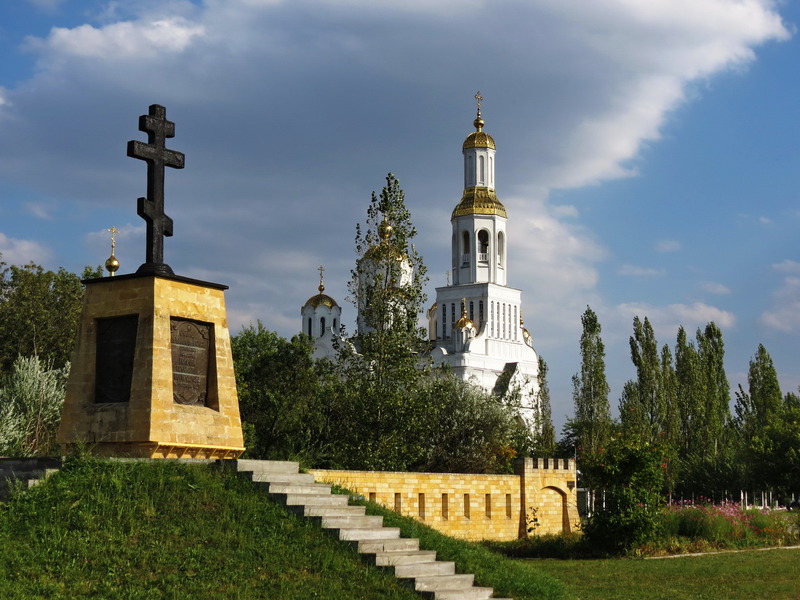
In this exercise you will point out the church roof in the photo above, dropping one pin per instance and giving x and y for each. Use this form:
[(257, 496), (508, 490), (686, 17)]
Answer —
[(479, 139), (320, 300), (479, 201)]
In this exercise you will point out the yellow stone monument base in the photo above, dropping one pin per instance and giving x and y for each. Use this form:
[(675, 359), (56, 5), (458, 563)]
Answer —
[(139, 385)]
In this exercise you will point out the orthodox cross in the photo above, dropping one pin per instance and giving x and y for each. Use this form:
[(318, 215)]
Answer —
[(113, 232), (479, 98), (321, 286), (151, 208)]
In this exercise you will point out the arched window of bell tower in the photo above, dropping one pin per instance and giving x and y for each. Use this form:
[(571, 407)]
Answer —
[(483, 246), (322, 326), (464, 248), (501, 250), (481, 170), (309, 327)]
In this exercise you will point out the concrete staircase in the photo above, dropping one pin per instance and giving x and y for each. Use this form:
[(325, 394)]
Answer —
[(29, 471), (378, 545)]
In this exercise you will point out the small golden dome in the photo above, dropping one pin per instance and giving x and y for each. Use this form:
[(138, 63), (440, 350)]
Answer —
[(479, 139), (112, 264), (320, 300), (385, 229), (464, 322), (479, 201)]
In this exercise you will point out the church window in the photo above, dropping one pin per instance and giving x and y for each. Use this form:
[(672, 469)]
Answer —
[(322, 326), (491, 316), (309, 326), (471, 311), (516, 324), (481, 171), (491, 172), (334, 324), (501, 250), (444, 321), (483, 244), (480, 314), (452, 313), (465, 250), (504, 321)]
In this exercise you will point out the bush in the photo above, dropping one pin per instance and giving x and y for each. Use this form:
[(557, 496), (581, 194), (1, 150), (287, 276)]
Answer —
[(31, 399), (631, 475)]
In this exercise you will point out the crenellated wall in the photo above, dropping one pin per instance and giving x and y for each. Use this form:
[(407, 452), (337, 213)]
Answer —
[(474, 507)]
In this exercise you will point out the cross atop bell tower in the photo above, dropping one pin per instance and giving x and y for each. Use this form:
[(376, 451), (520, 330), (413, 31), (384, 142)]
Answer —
[(151, 208)]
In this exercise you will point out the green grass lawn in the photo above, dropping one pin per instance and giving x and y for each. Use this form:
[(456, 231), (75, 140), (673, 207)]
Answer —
[(746, 575), (161, 530)]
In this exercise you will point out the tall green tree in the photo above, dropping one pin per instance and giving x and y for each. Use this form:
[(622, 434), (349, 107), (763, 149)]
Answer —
[(39, 312), (282, 396), (544, 438), (648, 407), (716, 410), (757, 411), (381, 367), (592, 421)]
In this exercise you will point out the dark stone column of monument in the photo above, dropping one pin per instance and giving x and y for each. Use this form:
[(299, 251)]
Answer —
[(151, 208)]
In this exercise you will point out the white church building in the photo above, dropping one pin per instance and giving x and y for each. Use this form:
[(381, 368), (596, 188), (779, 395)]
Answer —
[(475, 326)]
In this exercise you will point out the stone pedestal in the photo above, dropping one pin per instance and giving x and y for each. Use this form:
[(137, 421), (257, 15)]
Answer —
[(152, 373)]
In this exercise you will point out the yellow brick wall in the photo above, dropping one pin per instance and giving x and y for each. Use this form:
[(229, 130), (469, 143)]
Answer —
[(471, 507)]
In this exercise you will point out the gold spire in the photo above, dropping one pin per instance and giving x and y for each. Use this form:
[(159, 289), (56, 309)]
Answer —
[(321, 299), (478, 122), (112, 264), (479, 138)]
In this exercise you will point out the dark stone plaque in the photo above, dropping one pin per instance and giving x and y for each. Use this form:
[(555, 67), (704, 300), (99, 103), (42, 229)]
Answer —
[(116, 344), (191, 342)]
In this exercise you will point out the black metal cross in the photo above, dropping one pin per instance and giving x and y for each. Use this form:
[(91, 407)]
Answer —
[(151, 209)]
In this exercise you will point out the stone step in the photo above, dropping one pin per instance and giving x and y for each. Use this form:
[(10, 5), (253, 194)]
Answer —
[(379, 545), (472, 593), (430, 583), (408, 557), (287, 478), (366, 533), (264, 466), (348, 521), (327, 511), (386, 545), (423, 569), (293, 488), (310, 499)]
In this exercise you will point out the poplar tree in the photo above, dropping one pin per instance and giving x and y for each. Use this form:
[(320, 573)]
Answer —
[(544, 441), (760, 415), (592, 421)]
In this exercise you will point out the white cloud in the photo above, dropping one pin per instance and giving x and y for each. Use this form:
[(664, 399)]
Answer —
[(123, 40), (712, 287), (39, 210), (784, 316), (668, 318), (668, 246), (787, 266), (22, 252), (635, 271)]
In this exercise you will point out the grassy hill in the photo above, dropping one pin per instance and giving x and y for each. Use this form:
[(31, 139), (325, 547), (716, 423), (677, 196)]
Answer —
[(164, 530)]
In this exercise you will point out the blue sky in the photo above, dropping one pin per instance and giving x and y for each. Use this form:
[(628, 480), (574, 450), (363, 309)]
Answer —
[(648, 153)]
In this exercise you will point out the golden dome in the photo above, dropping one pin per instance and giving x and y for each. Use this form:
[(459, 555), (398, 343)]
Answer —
[(112, 264), (479, 201), (320, 299), (384, 250), (464, 322), (479, 139)]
